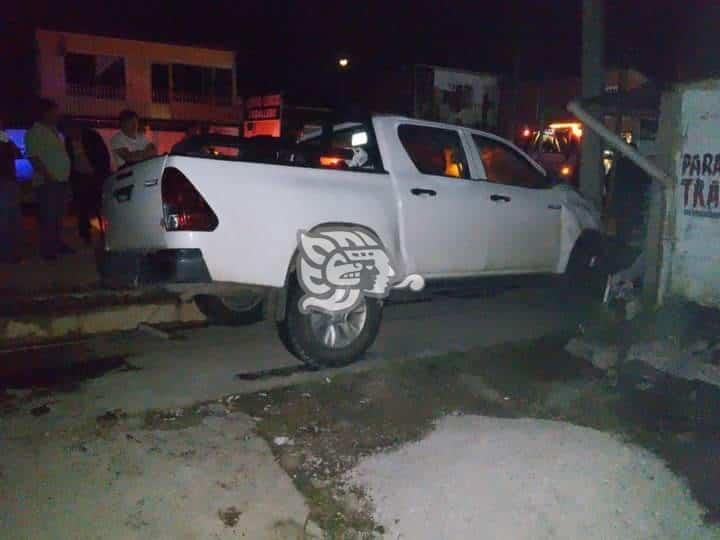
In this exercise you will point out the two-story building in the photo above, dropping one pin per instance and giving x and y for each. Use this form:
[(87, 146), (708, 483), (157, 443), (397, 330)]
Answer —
[(171, 87)]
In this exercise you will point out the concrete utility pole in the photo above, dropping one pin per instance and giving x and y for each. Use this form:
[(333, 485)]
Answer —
[(593, 84)]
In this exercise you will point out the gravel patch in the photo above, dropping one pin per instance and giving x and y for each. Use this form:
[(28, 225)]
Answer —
[(476, 476)]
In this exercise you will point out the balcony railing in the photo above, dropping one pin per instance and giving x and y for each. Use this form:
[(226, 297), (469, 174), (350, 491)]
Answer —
[(98, 92), (186, 97), (160, 96), (165, 96), (223, 101), (108, 102)]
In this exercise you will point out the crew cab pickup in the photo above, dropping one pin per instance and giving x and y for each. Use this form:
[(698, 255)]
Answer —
[(219, 216)]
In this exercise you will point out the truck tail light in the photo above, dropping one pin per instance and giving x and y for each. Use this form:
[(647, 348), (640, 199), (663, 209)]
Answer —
[(184, 209)]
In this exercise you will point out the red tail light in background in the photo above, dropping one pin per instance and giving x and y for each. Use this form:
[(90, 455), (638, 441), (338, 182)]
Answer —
[(331, 161), (184, 209)]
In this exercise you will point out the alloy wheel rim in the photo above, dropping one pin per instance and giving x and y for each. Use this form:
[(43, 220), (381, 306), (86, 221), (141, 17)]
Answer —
[(338, 331)]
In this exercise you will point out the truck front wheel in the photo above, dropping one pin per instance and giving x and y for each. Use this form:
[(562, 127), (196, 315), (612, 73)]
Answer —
[(586, 272), (322, 340)]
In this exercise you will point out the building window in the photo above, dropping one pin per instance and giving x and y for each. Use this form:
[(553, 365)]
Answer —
[(187, 84), (191, 84), (98, 76), (160, 80), (223, 87)]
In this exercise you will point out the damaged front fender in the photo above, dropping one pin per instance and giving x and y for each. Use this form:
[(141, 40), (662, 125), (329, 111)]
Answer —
[(578, 216)]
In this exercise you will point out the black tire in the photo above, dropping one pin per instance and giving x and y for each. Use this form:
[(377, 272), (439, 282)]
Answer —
[(587, 270), (220, 313), (297, 335)]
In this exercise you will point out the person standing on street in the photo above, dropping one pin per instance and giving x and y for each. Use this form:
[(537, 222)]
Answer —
[(89, 166), (51, 170), (129, 145), (628, 202), (10, 217)]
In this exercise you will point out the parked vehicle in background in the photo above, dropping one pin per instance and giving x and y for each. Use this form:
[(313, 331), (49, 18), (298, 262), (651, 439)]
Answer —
[(557, 149), (220, 218)]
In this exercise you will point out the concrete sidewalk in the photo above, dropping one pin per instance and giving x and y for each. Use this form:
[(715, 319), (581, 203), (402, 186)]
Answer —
[(121, 312), (48, 301), (34, 275), (41, 300)]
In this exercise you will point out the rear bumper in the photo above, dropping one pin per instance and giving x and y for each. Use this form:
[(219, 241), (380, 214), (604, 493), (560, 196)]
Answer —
[(129, 269), (182, 271)]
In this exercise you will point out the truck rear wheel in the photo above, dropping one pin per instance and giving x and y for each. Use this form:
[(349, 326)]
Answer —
[(226, 311), (322, 340)]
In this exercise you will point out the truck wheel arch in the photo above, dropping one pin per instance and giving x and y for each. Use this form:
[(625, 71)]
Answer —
[(587, 239), (590, 238), (277, 300), (588, 242)]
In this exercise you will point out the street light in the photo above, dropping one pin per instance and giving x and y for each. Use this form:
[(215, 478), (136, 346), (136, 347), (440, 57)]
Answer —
[(343, 62)]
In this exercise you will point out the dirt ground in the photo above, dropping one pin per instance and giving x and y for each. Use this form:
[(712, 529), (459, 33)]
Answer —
[(320, 432)]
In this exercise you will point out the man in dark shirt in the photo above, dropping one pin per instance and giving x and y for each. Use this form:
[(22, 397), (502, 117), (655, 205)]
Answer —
[(628, 202), (10, 218), (89, 166)]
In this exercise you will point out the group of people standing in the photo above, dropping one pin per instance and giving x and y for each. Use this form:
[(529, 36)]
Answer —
[(74, 165)]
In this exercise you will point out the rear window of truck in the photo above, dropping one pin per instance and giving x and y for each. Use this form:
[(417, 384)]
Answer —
[(350, 146)]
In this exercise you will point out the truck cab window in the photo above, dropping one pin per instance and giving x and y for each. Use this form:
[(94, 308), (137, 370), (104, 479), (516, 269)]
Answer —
[(434, 151), (503, 165)]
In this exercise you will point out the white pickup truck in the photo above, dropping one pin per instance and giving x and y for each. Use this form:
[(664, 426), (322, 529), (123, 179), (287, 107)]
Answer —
[(219, 218)]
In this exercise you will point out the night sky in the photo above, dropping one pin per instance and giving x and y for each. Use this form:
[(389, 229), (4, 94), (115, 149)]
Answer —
[(293, 45)]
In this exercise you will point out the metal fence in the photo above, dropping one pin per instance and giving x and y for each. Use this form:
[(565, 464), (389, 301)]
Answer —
[(99, 92)]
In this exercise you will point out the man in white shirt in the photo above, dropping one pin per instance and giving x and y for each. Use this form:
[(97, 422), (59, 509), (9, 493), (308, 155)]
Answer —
[(129, 145)]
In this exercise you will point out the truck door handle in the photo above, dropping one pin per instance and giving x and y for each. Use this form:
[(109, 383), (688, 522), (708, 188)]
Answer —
[(420, 192), (554, 206), (123, 194), (499, 198)]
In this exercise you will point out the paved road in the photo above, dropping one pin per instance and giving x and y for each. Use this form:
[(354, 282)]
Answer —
[(203, 364)]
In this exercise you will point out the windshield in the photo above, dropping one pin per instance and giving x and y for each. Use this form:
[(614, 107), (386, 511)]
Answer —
[(554, 142)]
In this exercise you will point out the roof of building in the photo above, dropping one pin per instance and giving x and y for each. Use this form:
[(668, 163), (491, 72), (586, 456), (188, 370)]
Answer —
[(139, 38)]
